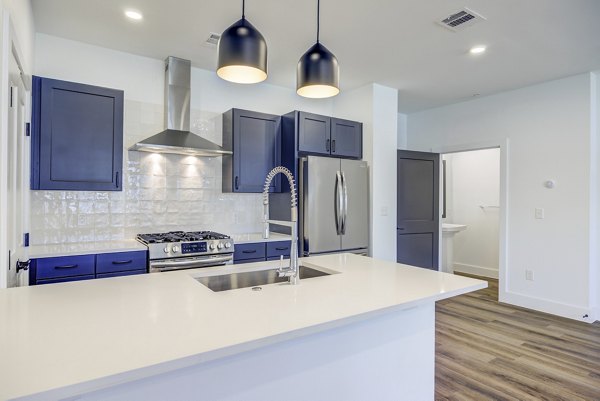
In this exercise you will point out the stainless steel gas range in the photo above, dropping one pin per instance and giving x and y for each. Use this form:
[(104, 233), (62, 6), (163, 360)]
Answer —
[(187, 250)]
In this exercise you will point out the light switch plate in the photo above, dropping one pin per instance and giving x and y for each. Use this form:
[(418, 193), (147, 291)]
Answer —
[(539, 213)]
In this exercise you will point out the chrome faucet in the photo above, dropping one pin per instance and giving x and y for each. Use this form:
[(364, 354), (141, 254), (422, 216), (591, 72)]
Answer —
[(293, 270)]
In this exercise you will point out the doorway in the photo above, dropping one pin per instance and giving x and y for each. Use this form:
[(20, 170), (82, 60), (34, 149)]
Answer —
[(470, 197), (14, 179)]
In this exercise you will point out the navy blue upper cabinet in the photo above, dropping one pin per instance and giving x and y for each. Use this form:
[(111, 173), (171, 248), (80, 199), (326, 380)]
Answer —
[(255, 139), (346, 138), (314, 133), (77, 136), (328, 136)]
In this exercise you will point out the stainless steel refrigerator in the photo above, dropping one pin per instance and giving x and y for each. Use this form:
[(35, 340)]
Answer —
[(333, 206)]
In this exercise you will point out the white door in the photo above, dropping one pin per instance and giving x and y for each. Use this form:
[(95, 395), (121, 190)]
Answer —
[(17, 174)]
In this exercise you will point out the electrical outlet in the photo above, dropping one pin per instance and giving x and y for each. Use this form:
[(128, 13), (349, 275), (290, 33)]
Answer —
[(384, 211), (529, 275), (539, 213)]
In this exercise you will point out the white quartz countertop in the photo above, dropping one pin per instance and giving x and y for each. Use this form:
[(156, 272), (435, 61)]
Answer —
[(82, 248), (65, 339), (258, 237)]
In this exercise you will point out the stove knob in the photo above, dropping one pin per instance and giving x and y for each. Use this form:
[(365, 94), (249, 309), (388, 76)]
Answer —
[(212, 246), (166, 249), (220, 246), (175, 249), (228, 245)]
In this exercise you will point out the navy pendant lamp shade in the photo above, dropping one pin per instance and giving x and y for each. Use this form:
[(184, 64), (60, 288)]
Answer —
[(242, 53), (318, 72)]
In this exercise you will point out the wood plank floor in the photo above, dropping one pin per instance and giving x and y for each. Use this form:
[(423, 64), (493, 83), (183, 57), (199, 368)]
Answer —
[(491, 351)]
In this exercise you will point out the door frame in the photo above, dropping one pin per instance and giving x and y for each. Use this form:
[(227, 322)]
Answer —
[(503, 145), (9, 47)]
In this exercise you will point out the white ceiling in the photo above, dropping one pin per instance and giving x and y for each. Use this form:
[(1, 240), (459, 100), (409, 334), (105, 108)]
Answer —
[(392, 42)]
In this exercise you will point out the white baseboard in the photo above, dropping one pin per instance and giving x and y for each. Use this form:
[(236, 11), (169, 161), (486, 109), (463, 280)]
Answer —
[(476, 270), (551, 307)]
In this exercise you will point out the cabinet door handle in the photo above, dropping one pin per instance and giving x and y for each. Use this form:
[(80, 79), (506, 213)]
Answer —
[(250, 251), (66, 267), (282, 249), (333, 146), (237, 182), (327, 145), (117, 179), (122, 262)]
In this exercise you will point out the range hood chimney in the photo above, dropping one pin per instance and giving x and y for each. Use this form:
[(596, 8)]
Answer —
[(177, 138)]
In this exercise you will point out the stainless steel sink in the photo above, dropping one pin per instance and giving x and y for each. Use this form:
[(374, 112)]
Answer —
[(232, 281)]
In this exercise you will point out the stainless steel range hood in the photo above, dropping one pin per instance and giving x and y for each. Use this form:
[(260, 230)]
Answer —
[(177, 138)]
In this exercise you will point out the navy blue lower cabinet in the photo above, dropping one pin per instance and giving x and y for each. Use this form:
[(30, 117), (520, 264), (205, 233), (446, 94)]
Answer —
[(120, 261), (254, 250), (84, 267), (278, 248), (65, 266), (261, 251)]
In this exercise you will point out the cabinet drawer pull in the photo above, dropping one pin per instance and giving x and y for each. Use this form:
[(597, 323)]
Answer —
[(237, 182), (333, 145), (250, 251), (66, 267), (327, 145), (122, 262), (282, 248), (117, 179)]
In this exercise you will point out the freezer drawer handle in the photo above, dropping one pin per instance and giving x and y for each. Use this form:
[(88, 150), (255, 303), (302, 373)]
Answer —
[(282, 249), (250, 251)]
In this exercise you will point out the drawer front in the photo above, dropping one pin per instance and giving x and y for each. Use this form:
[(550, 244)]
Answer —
[(249, 251), (278, 248), (65, 266), (119, 274), (239, 262), (120, 261), (65, 279)]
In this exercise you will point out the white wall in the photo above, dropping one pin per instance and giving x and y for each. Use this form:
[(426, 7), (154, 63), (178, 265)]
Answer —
[(156, 188), (21, 15), (377, 107), (595, 193), (402, 131), (472, 181), (548, 129)]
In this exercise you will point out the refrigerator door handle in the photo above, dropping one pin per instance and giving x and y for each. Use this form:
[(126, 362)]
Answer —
[(344, 203), (339, 206)]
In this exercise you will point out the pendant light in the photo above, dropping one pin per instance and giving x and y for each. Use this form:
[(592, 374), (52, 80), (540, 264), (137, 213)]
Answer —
[(318, 72), (242, 53)]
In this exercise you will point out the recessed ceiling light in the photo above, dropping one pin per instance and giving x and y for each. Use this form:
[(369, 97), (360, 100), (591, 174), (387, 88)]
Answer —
[(135, 15), (477, 49)]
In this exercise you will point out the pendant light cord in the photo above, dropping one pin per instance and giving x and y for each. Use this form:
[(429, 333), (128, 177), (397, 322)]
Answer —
[(318, 18), (243, 9)]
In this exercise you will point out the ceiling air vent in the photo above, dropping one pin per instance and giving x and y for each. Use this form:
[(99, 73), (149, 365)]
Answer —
[(461, 20), (213, 39)]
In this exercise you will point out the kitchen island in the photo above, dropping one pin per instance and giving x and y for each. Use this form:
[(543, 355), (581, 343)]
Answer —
[(366, 331)]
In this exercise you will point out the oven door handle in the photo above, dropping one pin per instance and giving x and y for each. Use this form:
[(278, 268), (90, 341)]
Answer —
[(190, 263)]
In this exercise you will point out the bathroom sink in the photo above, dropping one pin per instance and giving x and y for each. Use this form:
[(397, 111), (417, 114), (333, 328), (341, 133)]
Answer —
[(451, 228), (232, 281)]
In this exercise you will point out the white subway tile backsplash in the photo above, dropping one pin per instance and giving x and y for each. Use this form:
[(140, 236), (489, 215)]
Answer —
[(161, 192)]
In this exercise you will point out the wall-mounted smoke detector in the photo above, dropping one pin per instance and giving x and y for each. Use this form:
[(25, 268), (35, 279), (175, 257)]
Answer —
[(461, 19), (213, 39)]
